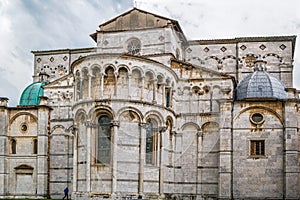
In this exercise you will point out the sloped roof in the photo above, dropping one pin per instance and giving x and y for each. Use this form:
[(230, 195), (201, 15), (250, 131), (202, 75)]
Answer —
[(136, 19)]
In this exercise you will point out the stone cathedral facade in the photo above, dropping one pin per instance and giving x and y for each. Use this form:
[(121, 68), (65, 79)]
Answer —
[(148, 113)]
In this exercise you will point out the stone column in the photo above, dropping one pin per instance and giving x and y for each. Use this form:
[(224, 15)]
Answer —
[(102, 85), (162, 160), (143, 128), (88, 156), (199, 163), (80, 89), (75, 132), (116, 83), (129, 86), (89, 86), (143, 88), (115, 125), (163, 102), (154, 91)]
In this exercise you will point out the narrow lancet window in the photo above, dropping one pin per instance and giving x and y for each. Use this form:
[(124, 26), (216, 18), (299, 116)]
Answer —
[(104, 140)]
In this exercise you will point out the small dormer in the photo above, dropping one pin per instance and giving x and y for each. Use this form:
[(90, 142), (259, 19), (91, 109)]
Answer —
[(139, 32)]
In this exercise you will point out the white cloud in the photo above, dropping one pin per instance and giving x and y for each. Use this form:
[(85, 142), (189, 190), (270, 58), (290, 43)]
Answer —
[(52, 24)]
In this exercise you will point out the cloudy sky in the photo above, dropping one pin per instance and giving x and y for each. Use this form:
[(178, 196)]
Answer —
[(27, 25)]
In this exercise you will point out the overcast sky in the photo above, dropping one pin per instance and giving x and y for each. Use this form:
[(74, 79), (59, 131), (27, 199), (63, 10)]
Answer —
[(27, 25)]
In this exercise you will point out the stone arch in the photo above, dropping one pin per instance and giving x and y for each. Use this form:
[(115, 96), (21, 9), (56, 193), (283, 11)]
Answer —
[(109, 80), (123, 66), (190, 125), (210, 124), (94, 113), (218, 60), (154, 115), (196, 89), (23, 113), (277, 115), (136, 76), (130, 109), (96, 81), (274, 55), (85, 82), (122, 80), (57, 127), (80, 116), (107, 66), (139, 69)]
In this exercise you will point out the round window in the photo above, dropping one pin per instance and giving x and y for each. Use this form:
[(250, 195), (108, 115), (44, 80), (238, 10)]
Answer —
[(257, 118), (24, 128), (134, 46)]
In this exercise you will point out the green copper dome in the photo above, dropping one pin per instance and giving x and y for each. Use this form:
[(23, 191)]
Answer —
[(31, 95)]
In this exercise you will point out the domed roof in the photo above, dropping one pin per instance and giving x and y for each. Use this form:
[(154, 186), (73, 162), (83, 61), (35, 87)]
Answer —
[(260, 84), (31, 95)]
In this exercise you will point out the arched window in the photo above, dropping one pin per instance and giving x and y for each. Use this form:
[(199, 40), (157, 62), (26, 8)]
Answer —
[(151, 143), (35, 146), (104, 140), (13, 146)]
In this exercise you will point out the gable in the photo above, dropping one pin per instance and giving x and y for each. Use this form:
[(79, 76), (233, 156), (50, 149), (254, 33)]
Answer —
[(137, 19)]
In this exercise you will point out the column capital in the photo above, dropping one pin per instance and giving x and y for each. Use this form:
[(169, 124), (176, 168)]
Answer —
[(162, 129), (115, 123), (143, 125), (199, 133), (90, 124)]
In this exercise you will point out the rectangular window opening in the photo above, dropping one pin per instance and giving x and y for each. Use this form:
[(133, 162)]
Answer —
[(257, 148)]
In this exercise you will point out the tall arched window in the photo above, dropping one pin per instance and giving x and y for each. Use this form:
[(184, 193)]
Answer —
[(35, 146), (149, 143), (13, 146), (104, 140)]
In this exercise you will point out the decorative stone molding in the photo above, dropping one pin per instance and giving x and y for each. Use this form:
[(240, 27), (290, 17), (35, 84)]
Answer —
[(143, 125), (115, 123)]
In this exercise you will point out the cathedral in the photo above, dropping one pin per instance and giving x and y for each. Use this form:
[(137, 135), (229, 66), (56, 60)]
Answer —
[(148, 114)]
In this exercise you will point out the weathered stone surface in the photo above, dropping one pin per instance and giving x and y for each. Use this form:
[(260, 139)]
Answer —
[(147, 112)]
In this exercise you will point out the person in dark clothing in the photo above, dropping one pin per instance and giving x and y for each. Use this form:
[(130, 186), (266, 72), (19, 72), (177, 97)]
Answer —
[(66, 191)]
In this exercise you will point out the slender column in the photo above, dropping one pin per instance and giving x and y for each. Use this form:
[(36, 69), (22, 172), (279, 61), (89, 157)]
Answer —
[(89, 86), (163, 94), (143, 127), (116, 83), (143, 86), (199, 163), (80, 88), (154, 91), (161, 143), (102, 84), (170, 97), (129, 85), (88, 157), (115, 125), (75, 132)]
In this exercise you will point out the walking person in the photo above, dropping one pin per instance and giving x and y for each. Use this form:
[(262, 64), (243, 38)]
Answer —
[(66, 191)]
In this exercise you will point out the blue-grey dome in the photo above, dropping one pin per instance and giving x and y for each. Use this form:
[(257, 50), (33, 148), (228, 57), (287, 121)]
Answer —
[(260, 84)]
